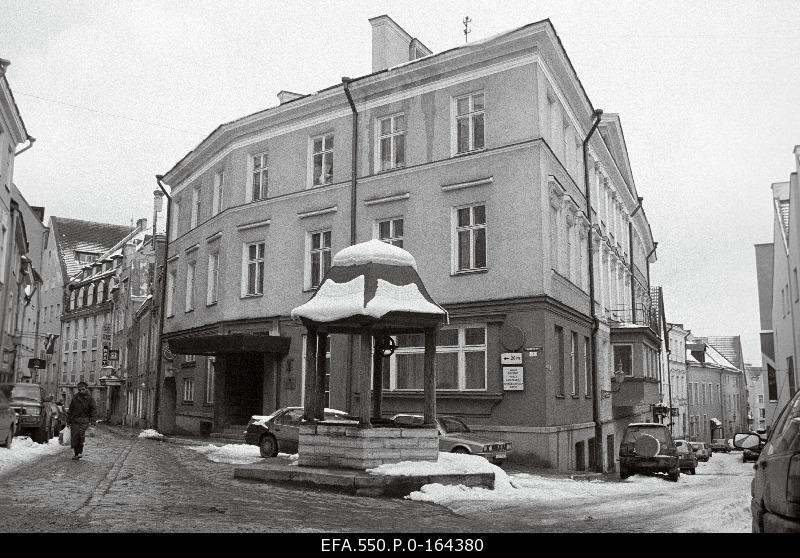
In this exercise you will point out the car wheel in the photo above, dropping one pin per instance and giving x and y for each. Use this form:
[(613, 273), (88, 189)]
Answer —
[(40, 435), (692, 471), (624, 473), (268, 446), (459, 450), (674, 475)]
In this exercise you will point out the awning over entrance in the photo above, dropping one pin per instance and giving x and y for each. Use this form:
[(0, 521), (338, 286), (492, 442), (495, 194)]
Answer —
[(716, 422), (220, 344)]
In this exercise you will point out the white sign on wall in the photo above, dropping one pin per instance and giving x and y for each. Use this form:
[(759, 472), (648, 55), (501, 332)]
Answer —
[(512, 378), (510, 359)]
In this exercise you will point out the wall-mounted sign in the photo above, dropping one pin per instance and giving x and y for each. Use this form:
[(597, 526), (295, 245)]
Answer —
[(510, 359), (37, 363), (113, 354), (533, 351), (105, 356), (512, 378)]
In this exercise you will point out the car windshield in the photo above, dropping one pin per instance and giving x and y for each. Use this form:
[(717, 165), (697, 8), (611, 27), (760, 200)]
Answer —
[(450, 424), (695, 445), (26, 392), (633, 434)]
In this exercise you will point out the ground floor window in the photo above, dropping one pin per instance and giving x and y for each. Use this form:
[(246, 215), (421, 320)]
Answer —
[(460, 360), (188, 390)]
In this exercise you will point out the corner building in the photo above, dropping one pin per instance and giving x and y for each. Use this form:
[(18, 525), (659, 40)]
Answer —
[(470, 159)]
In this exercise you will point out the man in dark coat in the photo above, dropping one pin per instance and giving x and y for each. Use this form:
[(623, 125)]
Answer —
[(82, 413)]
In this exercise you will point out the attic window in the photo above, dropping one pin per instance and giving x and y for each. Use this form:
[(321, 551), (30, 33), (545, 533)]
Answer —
[(85, 257)]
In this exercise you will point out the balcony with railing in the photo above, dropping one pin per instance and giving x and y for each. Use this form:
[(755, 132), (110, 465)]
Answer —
[(640, 315)]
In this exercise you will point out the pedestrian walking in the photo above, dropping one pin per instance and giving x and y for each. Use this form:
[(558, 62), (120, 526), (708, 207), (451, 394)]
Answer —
[(82, 413)]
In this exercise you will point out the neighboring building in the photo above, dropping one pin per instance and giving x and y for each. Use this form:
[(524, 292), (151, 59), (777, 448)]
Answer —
[(13, 237), (756, 403), (779, 296), (471, 159), (73, 272), (676, 367), (717, 408)]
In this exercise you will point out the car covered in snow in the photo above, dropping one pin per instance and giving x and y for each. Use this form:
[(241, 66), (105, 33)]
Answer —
[(280, 431), (456, 437), (775, 489), (701, 450), (648, 447), (686, 457)]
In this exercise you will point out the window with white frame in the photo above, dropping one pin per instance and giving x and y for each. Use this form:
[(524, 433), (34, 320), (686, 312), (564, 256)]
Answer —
[(760, 399), (460, 360), (392, 142), (259, 177), (195, 207), (319, 257), (470, 238), (210, 367), (211, 283), (623, 359), (170, 302), (390, 231), (322, 160), (254, 268), (469, 124), (586, 363), (190, 268), (188, 390), (189, 359), (217, 195)]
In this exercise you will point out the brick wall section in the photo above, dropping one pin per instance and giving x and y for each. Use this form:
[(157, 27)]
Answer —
[(323, 445)]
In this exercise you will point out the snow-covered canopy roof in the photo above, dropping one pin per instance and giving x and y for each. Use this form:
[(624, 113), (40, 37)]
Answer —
[(365, 283)]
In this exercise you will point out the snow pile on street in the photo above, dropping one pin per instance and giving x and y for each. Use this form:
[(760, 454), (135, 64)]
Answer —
[(235, 454), (374, 251), (150, 433), (24, 450), (447, 464)]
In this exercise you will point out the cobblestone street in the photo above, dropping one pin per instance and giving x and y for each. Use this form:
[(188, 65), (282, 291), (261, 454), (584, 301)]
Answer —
[(124, 483)]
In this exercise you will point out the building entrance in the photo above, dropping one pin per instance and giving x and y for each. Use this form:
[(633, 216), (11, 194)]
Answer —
[(244, 387)]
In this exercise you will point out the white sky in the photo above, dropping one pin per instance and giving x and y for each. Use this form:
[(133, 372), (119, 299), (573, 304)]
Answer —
[(707, 94)]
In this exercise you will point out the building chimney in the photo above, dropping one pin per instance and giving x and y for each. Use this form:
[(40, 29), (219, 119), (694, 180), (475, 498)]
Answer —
[(286, 96), (392, 45), (141, 224)]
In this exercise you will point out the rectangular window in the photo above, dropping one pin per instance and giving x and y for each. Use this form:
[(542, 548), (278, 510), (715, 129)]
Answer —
[(319, 257), (174, 218), (195, 207), (188, 390), (217, 196), (392, 142), (762, 413), (255, 268), (469, 123), (790, 376), (470, 238), (259, 177), (760, 399), (213, 273), (772, 384), (322, 158), (170, 302), (560, 363), (189, 287), (623, 359), (586, 365), (211, 365), (703, 393), (460, 360), (573, 355), (391, 232), (190, 359)]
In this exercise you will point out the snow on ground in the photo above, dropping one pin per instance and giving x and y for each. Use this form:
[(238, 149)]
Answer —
[(150, 433), (24, 450), (235, 454)]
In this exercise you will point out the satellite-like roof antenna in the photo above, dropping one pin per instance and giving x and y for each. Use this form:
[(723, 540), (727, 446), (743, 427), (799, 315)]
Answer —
[(467, 30)]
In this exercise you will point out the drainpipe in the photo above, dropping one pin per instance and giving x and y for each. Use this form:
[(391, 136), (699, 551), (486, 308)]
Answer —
[(162, 310), (31, 139), (8, 257), (346, 81), (630, 257), (598, 428), (669, 376)]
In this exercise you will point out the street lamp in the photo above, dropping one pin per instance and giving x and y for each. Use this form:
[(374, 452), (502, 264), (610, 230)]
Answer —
[(619, 376)]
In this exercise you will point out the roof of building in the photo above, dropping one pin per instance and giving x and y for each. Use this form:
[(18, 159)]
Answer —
[(729, 346), (73, 235)]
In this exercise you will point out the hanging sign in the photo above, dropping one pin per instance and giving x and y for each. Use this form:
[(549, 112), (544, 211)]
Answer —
[(512, 378)]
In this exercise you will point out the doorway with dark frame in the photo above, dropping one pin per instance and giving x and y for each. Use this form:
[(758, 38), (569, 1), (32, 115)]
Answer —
[(244, 387)]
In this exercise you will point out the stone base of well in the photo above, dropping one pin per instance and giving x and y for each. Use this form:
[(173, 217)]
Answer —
[(328, 445)]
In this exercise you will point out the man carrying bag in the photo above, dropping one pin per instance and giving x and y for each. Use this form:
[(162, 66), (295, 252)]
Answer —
[(82, 413)]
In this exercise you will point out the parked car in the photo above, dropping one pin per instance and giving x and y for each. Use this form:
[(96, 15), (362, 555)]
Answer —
[(36, 411), (8, 421), (647, 447), (456, 437), (775, 489), (719, 444), (701, 450), (687, 460), (280, 431)]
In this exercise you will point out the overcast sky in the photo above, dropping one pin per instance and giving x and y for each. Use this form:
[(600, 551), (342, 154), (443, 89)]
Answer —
[(707, 92)]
